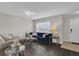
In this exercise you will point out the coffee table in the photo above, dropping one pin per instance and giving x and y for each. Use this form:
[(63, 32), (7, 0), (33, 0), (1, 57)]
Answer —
[(13, 52)]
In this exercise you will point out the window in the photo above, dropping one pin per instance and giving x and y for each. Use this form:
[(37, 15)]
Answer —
[(43, 27)]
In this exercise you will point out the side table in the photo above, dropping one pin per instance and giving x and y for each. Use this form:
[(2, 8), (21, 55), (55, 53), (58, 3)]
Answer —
[(56, 38)]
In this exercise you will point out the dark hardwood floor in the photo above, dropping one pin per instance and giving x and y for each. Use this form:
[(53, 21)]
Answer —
[(45, 50)]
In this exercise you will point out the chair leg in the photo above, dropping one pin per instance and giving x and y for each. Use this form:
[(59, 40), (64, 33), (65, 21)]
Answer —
[(49, 41), (57, 41)]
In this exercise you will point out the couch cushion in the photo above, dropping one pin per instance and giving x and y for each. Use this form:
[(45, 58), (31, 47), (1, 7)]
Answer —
[(6, 44), (34, 34), (1, 40), (40, 34), (44, 35), (8, 37)]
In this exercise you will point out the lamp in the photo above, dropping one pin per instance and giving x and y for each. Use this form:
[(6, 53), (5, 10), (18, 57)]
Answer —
[(53, 29)]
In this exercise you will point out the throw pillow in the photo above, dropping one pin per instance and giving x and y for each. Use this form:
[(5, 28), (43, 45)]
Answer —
[(44, 35), (34, 34)]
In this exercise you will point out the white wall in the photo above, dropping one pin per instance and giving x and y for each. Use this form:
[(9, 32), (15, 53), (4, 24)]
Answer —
[(14, 25), (66, 29)]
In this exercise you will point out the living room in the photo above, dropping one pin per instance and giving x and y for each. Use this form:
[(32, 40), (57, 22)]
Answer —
[(50, 27)]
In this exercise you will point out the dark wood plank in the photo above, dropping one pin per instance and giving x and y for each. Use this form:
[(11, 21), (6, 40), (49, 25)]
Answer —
[(45, 50)]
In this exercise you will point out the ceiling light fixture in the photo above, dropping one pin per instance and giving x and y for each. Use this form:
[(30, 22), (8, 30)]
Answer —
[(29, 13)]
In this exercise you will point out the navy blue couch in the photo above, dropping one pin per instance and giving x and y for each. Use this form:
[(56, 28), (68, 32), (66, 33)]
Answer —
[(43, 37)]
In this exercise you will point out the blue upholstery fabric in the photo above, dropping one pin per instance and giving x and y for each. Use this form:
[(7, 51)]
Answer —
[(46, 39)]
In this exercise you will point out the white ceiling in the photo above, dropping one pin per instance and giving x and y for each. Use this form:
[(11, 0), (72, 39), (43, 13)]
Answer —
[(41, 9)]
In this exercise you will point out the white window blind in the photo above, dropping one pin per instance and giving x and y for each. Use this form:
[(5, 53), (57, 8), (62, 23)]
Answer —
[(43, 27)]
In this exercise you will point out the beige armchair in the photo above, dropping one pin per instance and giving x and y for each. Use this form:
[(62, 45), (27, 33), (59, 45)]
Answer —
[(4, 44)]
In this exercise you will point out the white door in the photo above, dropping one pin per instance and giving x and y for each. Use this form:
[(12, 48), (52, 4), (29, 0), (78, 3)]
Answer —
[(75, 30)]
